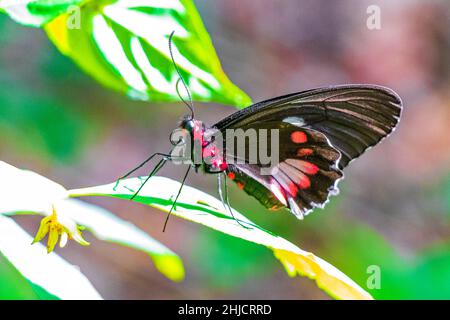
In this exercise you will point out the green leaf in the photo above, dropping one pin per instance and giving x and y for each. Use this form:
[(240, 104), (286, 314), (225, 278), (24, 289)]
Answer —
[(13, 285), (36, 12), (107, 227), (48, 271), (124, 46), (199, 207), (24, 191)]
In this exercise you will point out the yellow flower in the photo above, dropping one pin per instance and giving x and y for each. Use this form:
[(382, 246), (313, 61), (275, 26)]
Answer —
[(67, 230)]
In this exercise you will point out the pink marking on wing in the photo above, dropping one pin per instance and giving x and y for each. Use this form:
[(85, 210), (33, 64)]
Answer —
[(293, 189), (305, 166), (304, 183), (297, 176), (309, 168), (286, 183)]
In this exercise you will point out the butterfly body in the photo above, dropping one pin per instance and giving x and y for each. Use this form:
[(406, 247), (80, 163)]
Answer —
[(204, 153)]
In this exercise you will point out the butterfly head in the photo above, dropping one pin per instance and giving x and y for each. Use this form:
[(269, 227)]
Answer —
[(188, 129), (187, 123)]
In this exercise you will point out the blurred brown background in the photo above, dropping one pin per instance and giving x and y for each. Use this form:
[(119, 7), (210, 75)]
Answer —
[(394, 206)]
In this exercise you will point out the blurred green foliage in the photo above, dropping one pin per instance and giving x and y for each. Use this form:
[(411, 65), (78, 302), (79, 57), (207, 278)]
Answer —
[(39, 122), (224, 261)]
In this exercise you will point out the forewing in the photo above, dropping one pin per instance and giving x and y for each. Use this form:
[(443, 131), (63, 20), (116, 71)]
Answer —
[(352, 117)]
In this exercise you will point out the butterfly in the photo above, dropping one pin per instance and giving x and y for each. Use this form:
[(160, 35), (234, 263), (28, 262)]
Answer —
[(319, 132)]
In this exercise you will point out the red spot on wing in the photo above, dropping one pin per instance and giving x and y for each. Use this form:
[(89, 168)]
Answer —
[(231, 175), (298, 137), (303, 152), (309, 168), (240, 185), (292, 189), (304, 183), (301, 180), (294, 173)]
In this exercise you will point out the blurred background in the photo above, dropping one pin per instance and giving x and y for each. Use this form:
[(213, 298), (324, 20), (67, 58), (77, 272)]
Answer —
[(394, 208)]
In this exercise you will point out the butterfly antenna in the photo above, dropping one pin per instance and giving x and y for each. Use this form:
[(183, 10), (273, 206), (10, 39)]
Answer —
[(190, 105), (182, 99), (176, 198)]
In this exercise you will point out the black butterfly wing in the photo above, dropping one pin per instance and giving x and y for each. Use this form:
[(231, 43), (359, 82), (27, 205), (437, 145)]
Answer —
[(303, 178), (353, 117), (339, 124)]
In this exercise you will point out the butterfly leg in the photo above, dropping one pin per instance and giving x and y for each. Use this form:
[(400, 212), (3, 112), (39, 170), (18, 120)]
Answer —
[(226, 203), (155, 170), (176, 198), (167, 156)]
